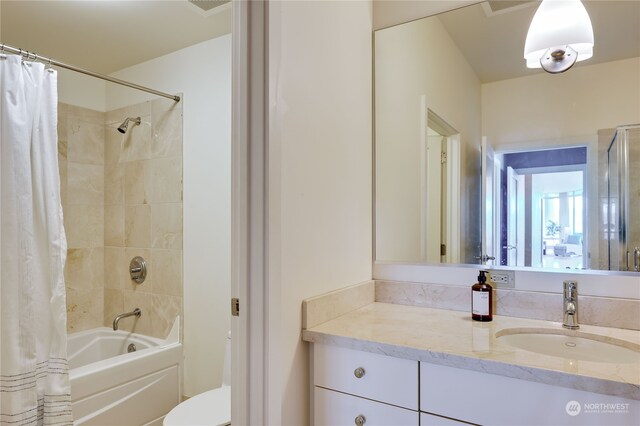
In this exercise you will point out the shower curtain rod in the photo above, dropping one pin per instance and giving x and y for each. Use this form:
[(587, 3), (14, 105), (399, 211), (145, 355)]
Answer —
[(34, 57)]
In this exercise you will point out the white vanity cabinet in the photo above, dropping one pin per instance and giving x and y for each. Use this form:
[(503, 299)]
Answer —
[(353, 387), (336, 408), (482, 398)]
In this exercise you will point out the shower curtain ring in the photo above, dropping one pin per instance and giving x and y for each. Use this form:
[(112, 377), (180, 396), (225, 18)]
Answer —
[(26, 57), (2, 54)]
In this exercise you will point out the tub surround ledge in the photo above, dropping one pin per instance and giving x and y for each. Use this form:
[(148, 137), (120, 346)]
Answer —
[(451, 338)]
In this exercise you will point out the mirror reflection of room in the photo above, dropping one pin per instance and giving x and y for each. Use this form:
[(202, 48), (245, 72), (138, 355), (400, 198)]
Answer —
[(542, 169), (542, 196)]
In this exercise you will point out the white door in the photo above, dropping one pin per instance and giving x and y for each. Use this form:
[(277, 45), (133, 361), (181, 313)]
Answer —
[(433, 207), (451, 197), (521, 228), (512, 217), (489, 248)]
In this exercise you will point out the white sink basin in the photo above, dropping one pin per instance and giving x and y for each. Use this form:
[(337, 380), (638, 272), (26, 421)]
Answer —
[(573, 345)]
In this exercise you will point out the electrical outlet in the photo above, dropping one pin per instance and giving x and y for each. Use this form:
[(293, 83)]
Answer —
[(502, 279)]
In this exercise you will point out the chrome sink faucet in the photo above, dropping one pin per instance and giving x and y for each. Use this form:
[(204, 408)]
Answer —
[(570, 305), (136, 312)]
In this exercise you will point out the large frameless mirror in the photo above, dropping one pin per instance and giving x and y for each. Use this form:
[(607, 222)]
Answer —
[(480, 159)]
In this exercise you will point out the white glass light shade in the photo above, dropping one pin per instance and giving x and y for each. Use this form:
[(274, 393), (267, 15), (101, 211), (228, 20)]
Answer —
[(559, 23)]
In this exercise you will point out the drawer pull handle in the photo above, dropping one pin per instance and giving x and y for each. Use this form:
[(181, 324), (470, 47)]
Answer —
[(360, 420), (359, 373)]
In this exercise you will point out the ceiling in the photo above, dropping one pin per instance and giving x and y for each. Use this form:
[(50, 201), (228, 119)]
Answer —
[(106, 36), (491, 35)]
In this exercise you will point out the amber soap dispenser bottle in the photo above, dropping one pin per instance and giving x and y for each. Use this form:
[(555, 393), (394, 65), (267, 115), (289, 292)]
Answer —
[(482, 299)]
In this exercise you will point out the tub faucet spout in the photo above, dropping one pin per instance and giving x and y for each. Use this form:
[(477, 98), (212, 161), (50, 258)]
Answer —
[(136, 312)]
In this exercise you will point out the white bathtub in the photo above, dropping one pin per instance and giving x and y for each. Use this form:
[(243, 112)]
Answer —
[(110, 386)]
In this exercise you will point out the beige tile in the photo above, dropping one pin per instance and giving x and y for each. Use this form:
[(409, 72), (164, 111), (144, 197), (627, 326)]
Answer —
[(85, 114), (136, 182), (84, 226), (136, 143), (144, 301), (113, 141), (167, 134), (325, 307), (116, 268), (168, 272), (113, 305), (85, 309), (166, 225), (62, 147), (85, 142), (117, 116), (61, 127), (85, 183), (165, 310), (62, 169), (610, 312), (162, 106), (426, 295), (137, 226), (164, 180), (147, 286), (84, 268), (114, 184), (114, 228)]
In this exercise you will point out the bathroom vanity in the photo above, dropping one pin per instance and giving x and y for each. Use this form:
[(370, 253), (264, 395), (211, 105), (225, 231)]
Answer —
[(384, 363)]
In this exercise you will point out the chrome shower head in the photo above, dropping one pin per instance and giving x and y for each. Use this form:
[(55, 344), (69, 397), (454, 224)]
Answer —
[(125, 124)]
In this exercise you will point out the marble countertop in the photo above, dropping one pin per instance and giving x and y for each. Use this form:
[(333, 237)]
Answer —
[(451, 338)]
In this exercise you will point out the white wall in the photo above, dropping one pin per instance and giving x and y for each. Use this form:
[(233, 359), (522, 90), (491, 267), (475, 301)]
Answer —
[(203, 74), (82, 90), (414, 60), (556, 107), (319, 173), (387, 13)]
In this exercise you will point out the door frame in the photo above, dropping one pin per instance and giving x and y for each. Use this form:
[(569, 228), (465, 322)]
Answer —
[(490, 176), (451, 201), (512, 217), (249, 208)]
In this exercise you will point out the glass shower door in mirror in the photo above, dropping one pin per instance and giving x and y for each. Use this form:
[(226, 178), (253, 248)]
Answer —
[(622, 221)]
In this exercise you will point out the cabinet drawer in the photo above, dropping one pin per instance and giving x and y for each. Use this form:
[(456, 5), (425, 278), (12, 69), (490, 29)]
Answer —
[(483, 398), (335, 409), (378, 377)]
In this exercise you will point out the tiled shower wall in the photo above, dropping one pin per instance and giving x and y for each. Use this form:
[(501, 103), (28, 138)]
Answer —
[(81, 162), (122, 197), (143, 215)]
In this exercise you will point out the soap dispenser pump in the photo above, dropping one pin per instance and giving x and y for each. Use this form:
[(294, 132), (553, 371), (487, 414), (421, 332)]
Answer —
[(482, 299)]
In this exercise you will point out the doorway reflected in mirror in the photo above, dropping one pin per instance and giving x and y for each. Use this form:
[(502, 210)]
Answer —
[(542, 197)]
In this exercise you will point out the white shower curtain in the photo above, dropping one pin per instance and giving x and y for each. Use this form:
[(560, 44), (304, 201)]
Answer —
[(34, 380)]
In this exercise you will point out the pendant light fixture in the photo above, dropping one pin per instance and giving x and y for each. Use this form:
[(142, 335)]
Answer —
[(560, 35)]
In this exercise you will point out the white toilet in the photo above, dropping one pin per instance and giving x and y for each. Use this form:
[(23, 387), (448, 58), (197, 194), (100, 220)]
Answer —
[(211, 408)]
